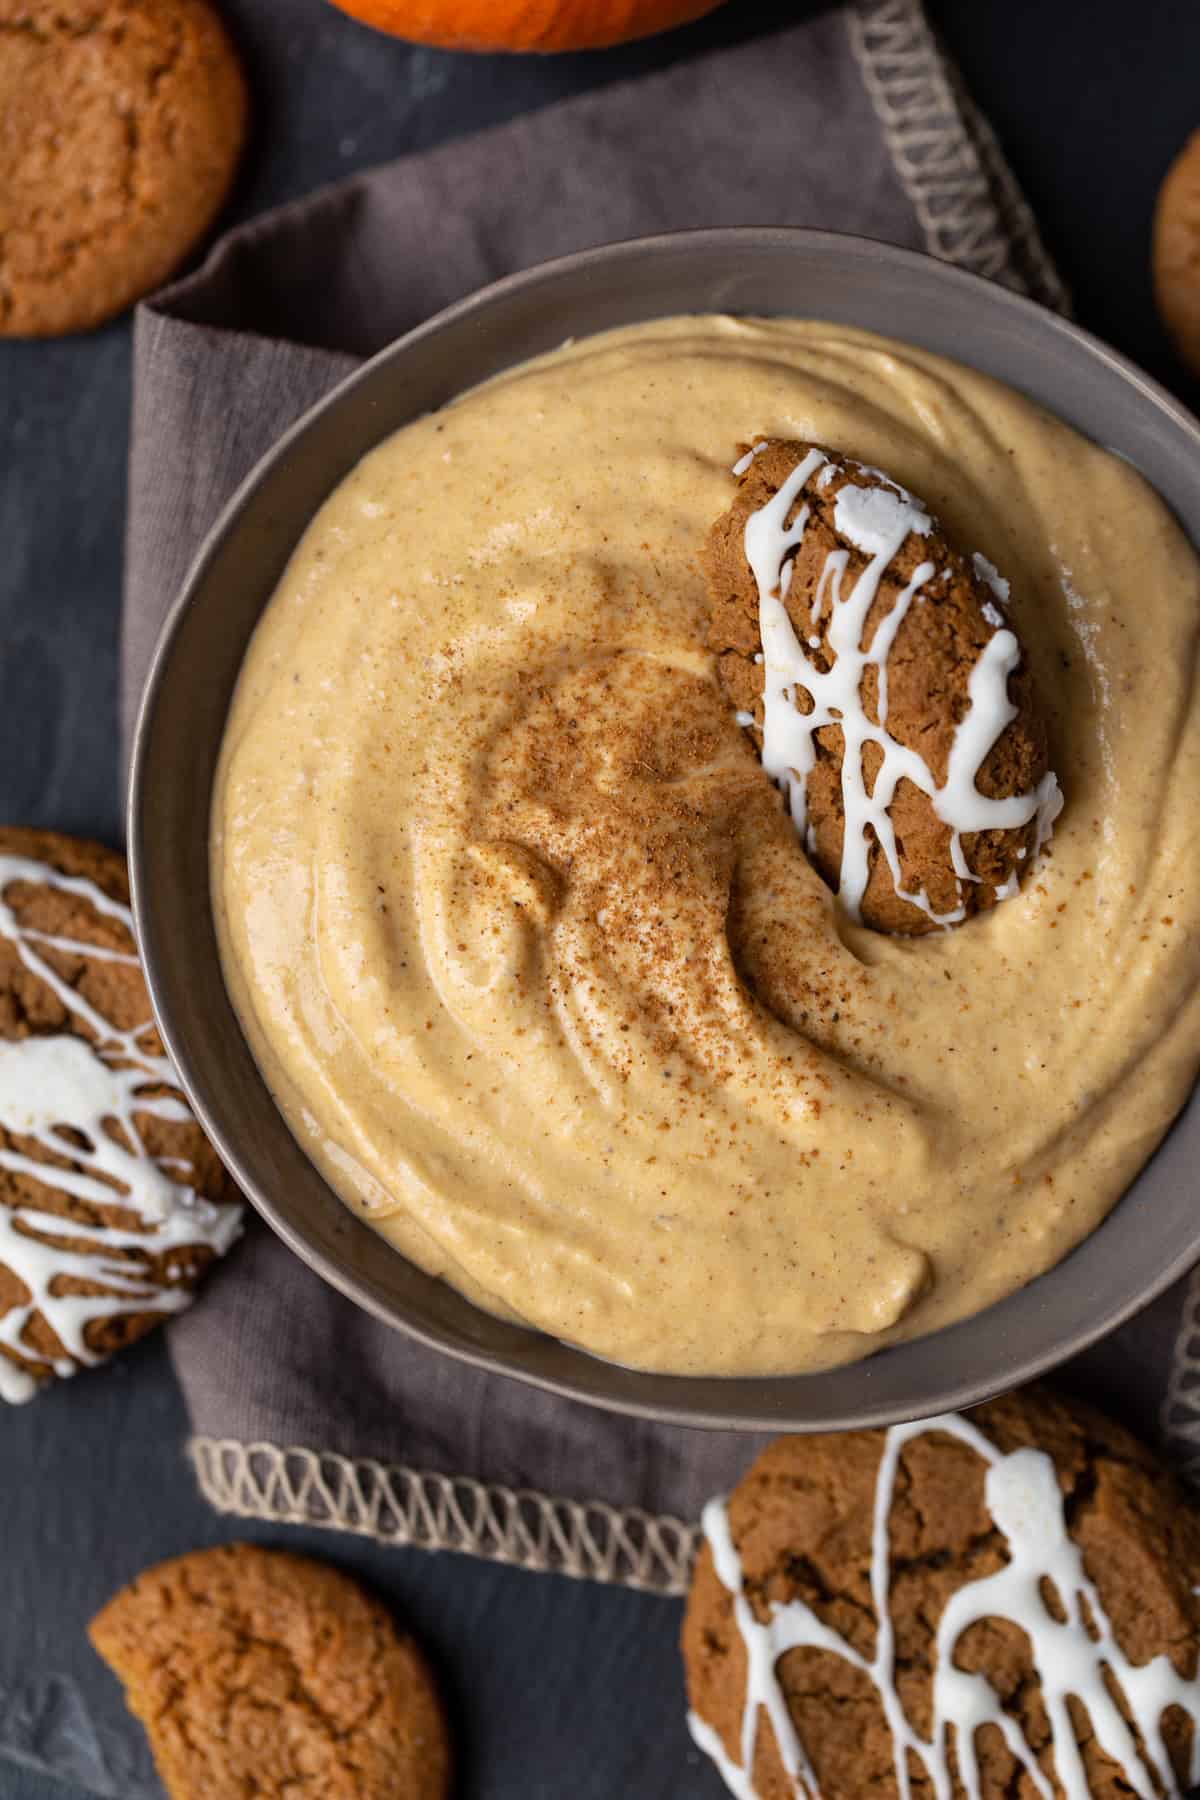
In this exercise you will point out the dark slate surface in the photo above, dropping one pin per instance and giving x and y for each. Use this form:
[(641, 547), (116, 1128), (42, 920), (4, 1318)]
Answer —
[(557, 1688)]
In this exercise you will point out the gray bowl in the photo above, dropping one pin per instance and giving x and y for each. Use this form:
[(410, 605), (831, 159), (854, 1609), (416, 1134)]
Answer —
[(1153, 1234)]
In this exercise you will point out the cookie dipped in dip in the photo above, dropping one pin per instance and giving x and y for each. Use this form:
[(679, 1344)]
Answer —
[(521, 929), (884, 687)]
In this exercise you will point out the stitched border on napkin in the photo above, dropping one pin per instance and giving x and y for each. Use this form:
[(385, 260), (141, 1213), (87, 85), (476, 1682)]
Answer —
[(394, 1505)]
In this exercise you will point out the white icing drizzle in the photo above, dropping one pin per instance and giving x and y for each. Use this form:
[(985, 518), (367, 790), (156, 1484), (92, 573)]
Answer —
[(987, 571), (59, 1082), (876, 520), (731, 1773), (1071, 1657), (833, 570), (744, 462)]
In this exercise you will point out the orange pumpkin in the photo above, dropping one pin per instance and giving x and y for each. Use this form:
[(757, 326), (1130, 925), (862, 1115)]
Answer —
[(525, 24)]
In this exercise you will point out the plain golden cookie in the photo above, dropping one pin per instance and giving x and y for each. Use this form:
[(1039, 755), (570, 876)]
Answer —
[(1177, 251), (112, 1200), (121, 123), (256, 1672)]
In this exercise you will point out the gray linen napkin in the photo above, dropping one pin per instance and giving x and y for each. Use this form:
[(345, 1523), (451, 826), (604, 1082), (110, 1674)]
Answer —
[(304, 1409)]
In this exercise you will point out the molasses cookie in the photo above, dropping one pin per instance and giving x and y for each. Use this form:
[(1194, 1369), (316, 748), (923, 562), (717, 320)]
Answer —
[(992, 1604), (256, 1671), (1177, 251), (112, 1201), (121, 123), (878, 674)]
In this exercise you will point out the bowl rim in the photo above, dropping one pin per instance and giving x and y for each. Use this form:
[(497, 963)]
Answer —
[(955, 1394)]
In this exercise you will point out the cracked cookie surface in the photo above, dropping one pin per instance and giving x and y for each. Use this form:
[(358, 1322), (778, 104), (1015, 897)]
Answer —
[(259, 1672), (112, 1201), (928, 668), (802, 1522), (121, 123)]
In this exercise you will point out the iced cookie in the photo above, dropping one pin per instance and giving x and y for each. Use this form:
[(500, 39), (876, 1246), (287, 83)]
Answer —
[(259, 1672), (877, 672), (121, 124), (112, 1201), (992, 1604), (1177, 251)]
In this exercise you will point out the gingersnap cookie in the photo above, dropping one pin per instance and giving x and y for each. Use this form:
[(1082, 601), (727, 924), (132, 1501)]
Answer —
[(1177, 251), (259, 1672), (876, 670), (112, 1201), (121, 124), (994, 1605)]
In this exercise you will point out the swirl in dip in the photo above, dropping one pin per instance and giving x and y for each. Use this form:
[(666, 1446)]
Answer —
[(493, 860)]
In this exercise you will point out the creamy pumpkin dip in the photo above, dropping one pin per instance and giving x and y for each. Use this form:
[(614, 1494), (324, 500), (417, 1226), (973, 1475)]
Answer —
[(501, 881)]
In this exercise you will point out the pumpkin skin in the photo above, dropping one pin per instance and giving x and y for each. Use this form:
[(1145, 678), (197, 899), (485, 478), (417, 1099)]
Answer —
[(525, 24)]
